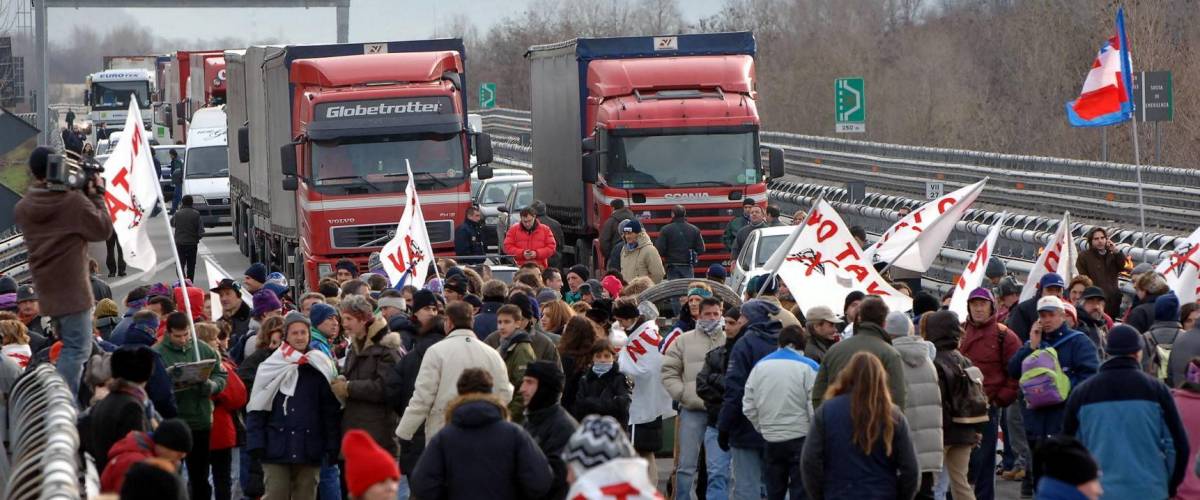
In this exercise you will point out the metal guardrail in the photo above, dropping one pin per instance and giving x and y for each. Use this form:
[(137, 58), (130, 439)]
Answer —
[(43, 438), (14, 258)]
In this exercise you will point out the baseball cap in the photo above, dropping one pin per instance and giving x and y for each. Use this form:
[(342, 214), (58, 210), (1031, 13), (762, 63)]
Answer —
[(227, 284), (1052, 279), (1093, 292), (822, 313), (1049, 304)]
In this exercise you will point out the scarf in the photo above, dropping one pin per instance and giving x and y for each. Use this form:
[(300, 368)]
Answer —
[(280, 371)]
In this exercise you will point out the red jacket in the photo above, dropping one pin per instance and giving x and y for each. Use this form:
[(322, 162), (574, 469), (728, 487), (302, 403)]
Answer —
[(540, 240), (225, 405), (131, 449), (981, 345)]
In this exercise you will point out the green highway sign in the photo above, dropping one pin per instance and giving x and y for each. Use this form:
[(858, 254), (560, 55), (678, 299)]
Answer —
[(850, 104), (487, 95)]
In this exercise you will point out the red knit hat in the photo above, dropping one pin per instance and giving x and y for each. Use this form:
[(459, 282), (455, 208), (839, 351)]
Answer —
[(366, 462), (195, 298)]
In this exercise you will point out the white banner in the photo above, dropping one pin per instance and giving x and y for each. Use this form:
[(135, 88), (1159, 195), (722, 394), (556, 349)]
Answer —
[(1058, 257), (824, 263), (131, 184), (915, 240), (407, 256), (975, 272), (1182, 269)]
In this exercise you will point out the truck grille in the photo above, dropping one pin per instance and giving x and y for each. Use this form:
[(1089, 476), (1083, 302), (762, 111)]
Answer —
[(375, 235)]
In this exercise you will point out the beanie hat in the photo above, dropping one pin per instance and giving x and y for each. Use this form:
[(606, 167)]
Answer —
[(151, 479), (550, 384), (851, 298), (195, 300), (898, 324), (524, 303), (579, 270), (1166, 307), (258, 272), (458, 285), (596, 287), (8, 285), (320, 312), (475, 301), (546, 296), (375, 264), (925, 302), (612, 285), (1009, 286), (1066, 459), (175, 434), (772, 284), (264, 302), (348, 265), (397, 302), (277, 289), (1142, 268), (105, 308), (134, 363), (423, 299), (277, 278), (600, 312), (434, 285), (366, 462), (598, 440), (295, 317), (625, 309), (1123, 339), (632, 226), (995, 268), (716, 271)]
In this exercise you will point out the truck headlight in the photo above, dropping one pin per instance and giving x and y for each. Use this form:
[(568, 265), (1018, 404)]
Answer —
[(491, 221)]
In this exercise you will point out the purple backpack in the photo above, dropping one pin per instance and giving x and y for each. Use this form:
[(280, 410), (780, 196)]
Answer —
[(1043, 380)]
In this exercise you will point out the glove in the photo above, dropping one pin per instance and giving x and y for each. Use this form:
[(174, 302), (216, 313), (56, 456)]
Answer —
[(208, 387), (723, 440)]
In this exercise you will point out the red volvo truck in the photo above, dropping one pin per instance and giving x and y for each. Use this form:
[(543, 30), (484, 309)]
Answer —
[(655, 121), (322, 151)]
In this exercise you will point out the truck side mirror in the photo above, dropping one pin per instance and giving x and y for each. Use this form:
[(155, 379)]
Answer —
[(243, 137), (483, 149), (290, 183), (287, 159), (591, 167), (87, 98), (589, 144), (774, 161), (483, 172)]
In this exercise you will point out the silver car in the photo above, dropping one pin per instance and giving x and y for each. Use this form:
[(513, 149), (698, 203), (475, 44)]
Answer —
[(491, 195)]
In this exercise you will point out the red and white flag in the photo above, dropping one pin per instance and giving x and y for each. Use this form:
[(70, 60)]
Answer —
[(973, 275), (824, 263), (131, 189), (1058, 257), (916, 239), (407, 256), (1182, 269)]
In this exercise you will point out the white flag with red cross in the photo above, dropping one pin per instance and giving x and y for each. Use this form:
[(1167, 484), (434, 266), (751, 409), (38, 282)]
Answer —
[(1182, 269), (407, 256), (131, 189), (1057, 257), (915, 240), (974, 273)]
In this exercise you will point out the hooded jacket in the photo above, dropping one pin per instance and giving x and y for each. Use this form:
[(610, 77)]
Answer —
[(131, 449), (923, 406), (682, 363), (642, 260), (302, 429), (227, 406), (468, 240), (757, 340), (989, 345), (606, 394), (943, 331), (609, 236), (111, 419), (195, 405), (834, 467), (160, 388), (367, 366), (868, 337), (551, 427), (517, 353), (539, 238), (57, 227)]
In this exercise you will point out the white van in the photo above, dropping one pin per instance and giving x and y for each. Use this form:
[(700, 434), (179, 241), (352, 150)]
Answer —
[(206, 166)]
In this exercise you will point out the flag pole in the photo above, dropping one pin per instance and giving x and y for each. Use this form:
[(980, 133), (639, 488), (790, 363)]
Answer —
[(901, 254), (1137, 164), (786, 246)]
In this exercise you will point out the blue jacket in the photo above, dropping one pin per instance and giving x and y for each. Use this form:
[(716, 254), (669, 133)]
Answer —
[(468, 240), (1053, 489), (485, 321), (756, 342), (302, 429), (1129, 422), (159, 388), (833, 466), (1079, 360)]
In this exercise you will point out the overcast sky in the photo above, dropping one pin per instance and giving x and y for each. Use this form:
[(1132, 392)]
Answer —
[(370, 20)]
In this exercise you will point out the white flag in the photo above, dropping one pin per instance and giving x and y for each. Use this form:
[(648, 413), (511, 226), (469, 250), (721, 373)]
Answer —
[(406, 258), (1057, 257), (131, 184), (917, 239), (825, 263), (1182, 269), (974, 273)]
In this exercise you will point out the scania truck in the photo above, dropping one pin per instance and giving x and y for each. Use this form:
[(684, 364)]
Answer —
[(328, 131), (655, 121)]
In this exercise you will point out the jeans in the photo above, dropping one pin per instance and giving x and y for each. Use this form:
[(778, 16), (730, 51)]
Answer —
[(1014, 435), (114, 258), (982, 471), (691, 434), (402, 488), (222, 473), (330, 485), (198, 462), (941, 483), (75, 331), (677, 271), (783, 470), (176, 196), (747, 473), (716, 462), (187, 260)]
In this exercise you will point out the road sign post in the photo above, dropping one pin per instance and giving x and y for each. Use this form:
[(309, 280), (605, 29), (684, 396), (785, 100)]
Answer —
[(1154, 101), (487, 95), (850, 105), (934, 190)]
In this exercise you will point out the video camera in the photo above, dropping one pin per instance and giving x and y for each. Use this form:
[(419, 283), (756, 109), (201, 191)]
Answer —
[(71, 172)]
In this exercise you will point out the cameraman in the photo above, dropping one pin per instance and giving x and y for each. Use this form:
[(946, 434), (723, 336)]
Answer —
[(57, 226)]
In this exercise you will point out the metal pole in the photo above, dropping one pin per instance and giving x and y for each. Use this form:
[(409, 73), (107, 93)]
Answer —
[(1157, 145), (1137, 162), (43, 107), (1104, 144), (343, 23)]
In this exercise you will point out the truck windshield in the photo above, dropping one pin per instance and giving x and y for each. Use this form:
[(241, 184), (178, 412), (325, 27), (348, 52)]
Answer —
[(377, 162), (115, 95), (208, 161), (682, 160)]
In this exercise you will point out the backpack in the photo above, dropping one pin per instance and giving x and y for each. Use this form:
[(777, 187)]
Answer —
[(1043, 380), (1160, 355), (967, 403)]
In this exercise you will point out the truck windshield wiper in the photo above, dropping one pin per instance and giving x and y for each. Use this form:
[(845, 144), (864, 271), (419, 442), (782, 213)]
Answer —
[(698, 183), (358, 177), (436, 179)]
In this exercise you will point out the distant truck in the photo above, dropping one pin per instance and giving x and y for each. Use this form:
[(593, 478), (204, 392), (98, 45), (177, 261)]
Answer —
[(107, 96), (653, 121), (323, 142), (190, 82)]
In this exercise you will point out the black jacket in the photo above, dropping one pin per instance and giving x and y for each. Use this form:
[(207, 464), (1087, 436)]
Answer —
[(480, 455), (609, 394), (677, 239), (239, 323), (189, 228), (556, 229), (468, 240), (551, 427), (1021, 318), (302, 429), (400, 383), (122, 411), (710, 382), (1142, 315), (744, 233)]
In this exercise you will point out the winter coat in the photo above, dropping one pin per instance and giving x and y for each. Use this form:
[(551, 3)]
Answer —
[(227, 406), (1186, 347), (366, 368), (1078, 359), (1049, 488), (539, 239), (868, 337), (480, 455), (677, 241), (1163, 334), (543, 346), (833, 466), (776, 399), (756, 341), (131, 449), (682, 363), (710, 382), (816, 347), (743, 233), (989, 346), (124, 410), (249, 367), (608, 394), (1021, 318), (436, 383), (609, 235), (517, 353), (923, 406), (783, 315), (401, 384), (551, 428), (642, 362), (160, 388), (195, 405), (1104, 270), (642, 260), (303, 429), (57, 227), (1129, 423), (1187, 401), (468, 240), (239, 323), (729, 238), (1141, 316), (189, 227), (1096, 330), (951, 369), (485, 321)]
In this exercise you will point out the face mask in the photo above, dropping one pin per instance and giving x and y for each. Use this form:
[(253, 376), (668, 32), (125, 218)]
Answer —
[(710, 326), (601, 368)]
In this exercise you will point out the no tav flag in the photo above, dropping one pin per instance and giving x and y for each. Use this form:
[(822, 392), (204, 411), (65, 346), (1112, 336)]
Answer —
[(974, 273), (915, 240), (407, 256), (131, 189), (1058, 257), (1182, 269)]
